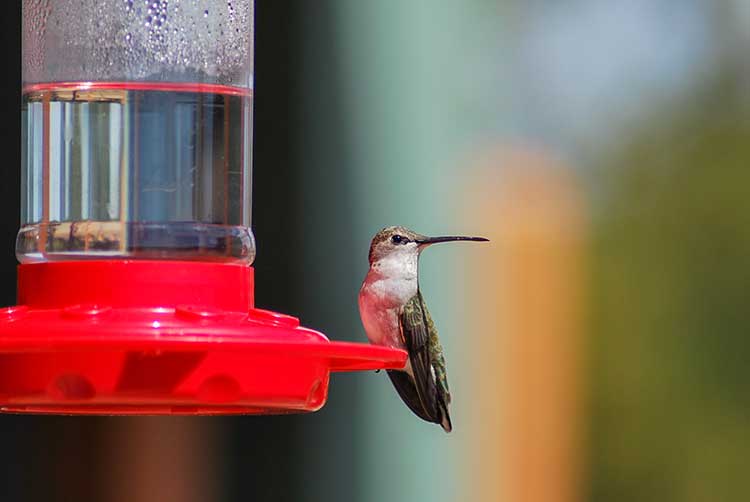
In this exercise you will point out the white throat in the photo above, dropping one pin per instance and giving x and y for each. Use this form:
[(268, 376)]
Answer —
[(392, 279), (402, 264)]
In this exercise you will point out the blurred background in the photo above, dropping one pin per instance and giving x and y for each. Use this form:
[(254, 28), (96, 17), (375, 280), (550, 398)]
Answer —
[(597, 347)]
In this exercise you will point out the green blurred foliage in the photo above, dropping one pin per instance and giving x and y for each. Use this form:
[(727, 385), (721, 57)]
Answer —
[(670, 319)]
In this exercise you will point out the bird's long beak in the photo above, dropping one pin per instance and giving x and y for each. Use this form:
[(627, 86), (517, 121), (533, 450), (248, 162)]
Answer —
[(448, 238)]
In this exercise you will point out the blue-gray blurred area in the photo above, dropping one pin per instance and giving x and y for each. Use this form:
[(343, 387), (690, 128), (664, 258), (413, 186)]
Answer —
[(371, 113)]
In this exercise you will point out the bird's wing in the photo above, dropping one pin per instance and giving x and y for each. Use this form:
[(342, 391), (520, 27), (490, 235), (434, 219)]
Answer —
[(416, 338), (427, 362), (437, 358)]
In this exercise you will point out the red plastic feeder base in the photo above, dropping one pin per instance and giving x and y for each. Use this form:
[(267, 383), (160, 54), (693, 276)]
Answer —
[(162, 338)]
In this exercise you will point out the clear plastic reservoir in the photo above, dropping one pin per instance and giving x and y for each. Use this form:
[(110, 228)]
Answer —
[(137, 130)]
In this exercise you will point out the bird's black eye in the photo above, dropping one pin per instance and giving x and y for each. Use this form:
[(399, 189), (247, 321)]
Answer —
[(398, 239)]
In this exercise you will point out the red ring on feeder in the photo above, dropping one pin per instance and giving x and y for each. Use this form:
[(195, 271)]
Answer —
[(148, 337)]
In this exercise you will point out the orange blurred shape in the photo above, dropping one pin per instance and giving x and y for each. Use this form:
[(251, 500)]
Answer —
[(525, 302)]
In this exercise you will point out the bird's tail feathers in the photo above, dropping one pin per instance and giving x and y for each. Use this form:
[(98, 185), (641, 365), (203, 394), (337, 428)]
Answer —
[(407, 390)]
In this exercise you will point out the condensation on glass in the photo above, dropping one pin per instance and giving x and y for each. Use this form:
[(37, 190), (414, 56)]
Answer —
[(137, 130)]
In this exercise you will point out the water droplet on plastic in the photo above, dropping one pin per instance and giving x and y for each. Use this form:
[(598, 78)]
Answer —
[(205, 13)]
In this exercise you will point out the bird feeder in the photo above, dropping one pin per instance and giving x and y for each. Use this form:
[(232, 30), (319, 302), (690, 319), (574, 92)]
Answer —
[(135, 284)]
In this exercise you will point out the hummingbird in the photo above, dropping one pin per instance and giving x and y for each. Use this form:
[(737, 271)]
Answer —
[(394, 314)]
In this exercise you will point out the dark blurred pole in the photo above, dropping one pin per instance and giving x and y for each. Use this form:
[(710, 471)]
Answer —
[(302, 216), (262, 453), (10, 140), (330, 262)]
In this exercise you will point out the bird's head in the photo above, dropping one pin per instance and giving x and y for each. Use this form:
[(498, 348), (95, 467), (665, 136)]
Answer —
[(400, 242)]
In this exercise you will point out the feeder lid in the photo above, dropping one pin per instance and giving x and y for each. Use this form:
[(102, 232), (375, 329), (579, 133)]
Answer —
[(159, 337)]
